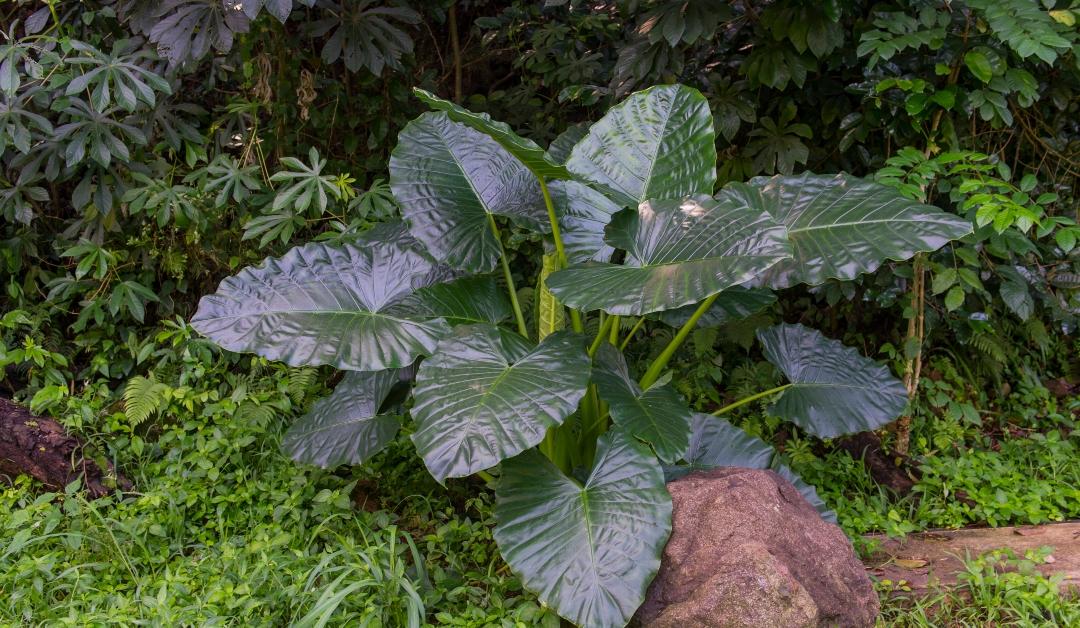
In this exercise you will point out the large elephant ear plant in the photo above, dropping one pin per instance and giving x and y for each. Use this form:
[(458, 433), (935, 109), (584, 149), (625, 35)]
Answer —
[(577, 445)]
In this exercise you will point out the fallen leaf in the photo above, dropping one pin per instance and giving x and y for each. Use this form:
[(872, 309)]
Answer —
[(1050, 559), (1029, 531), (910, 563)]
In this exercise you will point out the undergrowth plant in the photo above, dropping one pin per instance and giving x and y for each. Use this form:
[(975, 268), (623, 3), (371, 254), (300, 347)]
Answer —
[(577, 446)]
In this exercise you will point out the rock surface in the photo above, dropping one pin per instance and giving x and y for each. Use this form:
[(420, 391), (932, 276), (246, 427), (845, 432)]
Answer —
[(746, 550)]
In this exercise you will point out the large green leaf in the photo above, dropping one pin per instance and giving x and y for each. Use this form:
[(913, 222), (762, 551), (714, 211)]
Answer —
[(481, 399), (716, 443), (583, 214), (733, 304), (463, 301), (658, 416), (345, 427), (328, 304), (560, 147), (656, 144), (678, 253), (834, 389), (842, 226), (449, 179), (526, 150), (587, 551)]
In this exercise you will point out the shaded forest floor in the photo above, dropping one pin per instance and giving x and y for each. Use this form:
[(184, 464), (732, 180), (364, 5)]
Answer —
[(222, 528)]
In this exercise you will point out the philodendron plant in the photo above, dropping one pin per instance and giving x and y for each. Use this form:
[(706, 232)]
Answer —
[(577, 445)]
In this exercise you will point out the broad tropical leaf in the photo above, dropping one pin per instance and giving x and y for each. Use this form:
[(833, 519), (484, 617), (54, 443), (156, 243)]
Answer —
[(834, 389), (481, 399), (583, 214), (328, 304), (450, 179), (716, 443), (678, 252), (526, 150), (842, 226), (588, 551), (733, 304), (559, 149), (657, 416), (345, 427), (657, 144), (468, 300)]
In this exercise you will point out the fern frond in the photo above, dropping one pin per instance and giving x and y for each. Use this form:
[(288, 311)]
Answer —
[(250, 413), (143, 398), (300, 381)]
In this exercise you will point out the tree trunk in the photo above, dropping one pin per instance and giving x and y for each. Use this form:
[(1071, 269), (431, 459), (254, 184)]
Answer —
[(40, 447)]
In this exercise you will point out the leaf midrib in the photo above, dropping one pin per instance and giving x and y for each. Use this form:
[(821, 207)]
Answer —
[(861, 222)]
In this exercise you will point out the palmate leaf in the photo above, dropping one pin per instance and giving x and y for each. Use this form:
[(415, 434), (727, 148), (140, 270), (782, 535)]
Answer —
[(657, 416), (656, 144), (588, 551), (715, 443), (842, 226), (733, 304), (365, 36), (449, 179), (329, 304), (482, 398), (678, 252), (185, 30), (345, 427), (526, 150), (834, 389)]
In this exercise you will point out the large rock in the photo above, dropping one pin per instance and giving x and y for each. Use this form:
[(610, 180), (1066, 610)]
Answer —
[(747, 550)]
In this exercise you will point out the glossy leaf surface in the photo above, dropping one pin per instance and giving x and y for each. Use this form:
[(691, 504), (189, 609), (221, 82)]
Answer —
[(449, 179), (842, 226), (583, 214), (657, 144), (733, 304), (657, 416), (327, 304), (588, 551), (834, 390), (463, 301), (526, 150), (716, 443), (482, 398), (345, 427), (678, 253)]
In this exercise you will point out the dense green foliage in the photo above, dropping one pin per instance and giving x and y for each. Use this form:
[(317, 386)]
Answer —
[(150, 149)]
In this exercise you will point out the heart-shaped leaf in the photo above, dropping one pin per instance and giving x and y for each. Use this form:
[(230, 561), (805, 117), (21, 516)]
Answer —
[(481, 398), (345, 427), (468, 300), (658, 416), (679, 252), (834, 389), (450, 179), (328, 304), (657, 144), (526, 150), (733, 304), (588, 551), (583, 214), (560, 147), (842, 226), (716, 443)]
